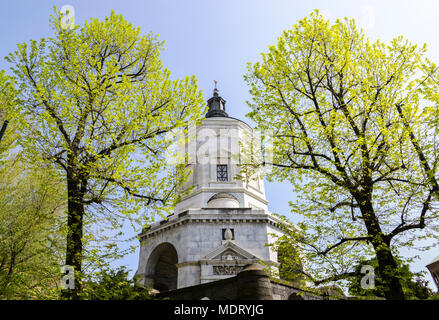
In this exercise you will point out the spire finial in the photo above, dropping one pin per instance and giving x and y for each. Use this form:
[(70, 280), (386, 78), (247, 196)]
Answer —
[(215, 90)]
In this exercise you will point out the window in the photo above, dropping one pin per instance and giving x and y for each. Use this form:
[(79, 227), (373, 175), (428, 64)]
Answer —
[(221, 172)]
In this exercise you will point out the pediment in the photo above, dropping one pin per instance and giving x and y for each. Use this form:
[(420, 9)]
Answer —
[(229, 251)]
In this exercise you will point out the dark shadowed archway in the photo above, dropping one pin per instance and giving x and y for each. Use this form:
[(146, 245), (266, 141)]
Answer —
[(161, 267), (295, 296)]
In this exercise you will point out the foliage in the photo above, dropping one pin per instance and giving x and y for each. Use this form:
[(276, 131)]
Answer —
[(7, 97), (414, 286), (114, 285), (97, 105), (354, 127), (31, 205), (31, 231), (292, 264), (434, 297)]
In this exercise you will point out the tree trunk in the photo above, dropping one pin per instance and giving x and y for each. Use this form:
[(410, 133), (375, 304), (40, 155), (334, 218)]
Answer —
[(388, 270), (74, 233), (387, 266)]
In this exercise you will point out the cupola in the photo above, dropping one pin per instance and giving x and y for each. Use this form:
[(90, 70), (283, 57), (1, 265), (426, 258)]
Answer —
[(217, 105)]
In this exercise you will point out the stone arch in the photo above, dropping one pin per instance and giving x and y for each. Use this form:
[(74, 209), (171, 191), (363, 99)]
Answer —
[(223, 200), (161, 267)]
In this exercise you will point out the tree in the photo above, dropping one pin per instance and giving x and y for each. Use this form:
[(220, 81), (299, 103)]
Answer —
[(31, 206), (97, 104), (355, 133), (31, 231)]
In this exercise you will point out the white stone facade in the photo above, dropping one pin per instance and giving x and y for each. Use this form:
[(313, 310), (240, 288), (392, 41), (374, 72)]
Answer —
[(203, 254), (219, 141)]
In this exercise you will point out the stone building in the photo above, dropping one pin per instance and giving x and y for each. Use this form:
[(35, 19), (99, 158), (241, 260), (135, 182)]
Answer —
[(433, 267), (222, 225)]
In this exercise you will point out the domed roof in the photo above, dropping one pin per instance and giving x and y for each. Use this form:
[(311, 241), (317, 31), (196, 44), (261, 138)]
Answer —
[(222, 195)]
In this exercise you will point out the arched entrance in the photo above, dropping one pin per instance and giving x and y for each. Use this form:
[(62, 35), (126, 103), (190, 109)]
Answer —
[(161, 267)]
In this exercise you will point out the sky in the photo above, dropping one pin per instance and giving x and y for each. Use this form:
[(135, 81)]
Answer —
[(214, 40)]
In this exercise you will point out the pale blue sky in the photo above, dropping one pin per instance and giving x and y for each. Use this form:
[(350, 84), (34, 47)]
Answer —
[(215, 39)]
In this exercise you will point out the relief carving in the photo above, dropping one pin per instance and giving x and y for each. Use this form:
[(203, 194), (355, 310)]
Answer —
[(226, 270)]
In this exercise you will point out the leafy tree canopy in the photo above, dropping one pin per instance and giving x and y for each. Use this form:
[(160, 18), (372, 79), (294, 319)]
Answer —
[(354, 125), (97, 104)]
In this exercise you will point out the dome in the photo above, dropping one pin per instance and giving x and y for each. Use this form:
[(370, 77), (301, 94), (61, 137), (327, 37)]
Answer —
[(223, 200)]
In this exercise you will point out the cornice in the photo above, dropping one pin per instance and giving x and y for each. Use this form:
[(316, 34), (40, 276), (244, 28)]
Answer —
[(186, 218)]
